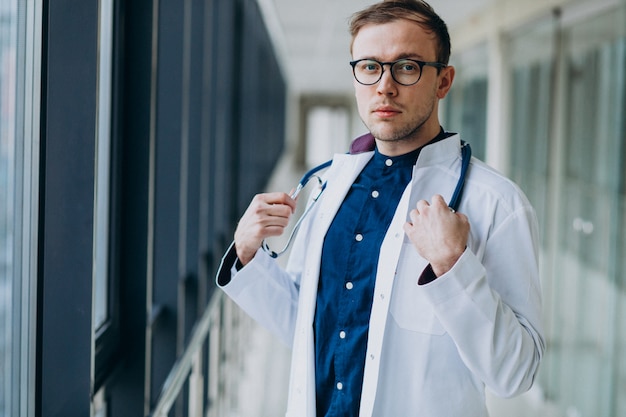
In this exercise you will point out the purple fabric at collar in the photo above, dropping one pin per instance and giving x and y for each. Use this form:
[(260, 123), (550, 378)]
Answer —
[(364, 143), (367, 143)]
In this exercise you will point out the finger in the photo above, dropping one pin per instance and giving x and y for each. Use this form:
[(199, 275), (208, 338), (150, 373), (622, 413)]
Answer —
[(463, 217), (272, 204), (273, 230), (280, 198), (422, 205), (438, 201), (280, 211)]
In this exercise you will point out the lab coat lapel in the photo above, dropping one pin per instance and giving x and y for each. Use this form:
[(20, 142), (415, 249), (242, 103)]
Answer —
[(385, 274), (340, 176)]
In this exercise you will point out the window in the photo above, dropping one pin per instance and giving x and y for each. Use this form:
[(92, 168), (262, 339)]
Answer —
[(568, 94), (103, 166), (327, 133), (531, 104), (105, 304), (19, 97), (8, 54), (466, 104), (591, 217)]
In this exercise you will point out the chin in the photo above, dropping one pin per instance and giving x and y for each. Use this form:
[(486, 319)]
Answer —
[(387, 136), (383, 133)]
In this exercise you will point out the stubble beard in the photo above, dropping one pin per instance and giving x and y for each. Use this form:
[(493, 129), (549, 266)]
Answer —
[(406, 132), (403, 134)]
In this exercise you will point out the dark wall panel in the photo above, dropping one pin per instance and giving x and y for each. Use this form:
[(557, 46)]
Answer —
[(216, 106), (66, 208), (131, 173)]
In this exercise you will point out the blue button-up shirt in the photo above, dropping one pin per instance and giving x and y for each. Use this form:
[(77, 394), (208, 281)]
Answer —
[(347, 277)]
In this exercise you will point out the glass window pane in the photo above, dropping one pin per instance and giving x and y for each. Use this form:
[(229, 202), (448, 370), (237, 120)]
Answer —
[(620, 322), (583, 371), (8, 58), (586, 343), (466, 103), (327, 133), (19, 97), (531, 102), (103, 164)]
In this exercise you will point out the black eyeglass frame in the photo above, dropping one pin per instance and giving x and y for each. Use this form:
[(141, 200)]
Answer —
[(421, 65)]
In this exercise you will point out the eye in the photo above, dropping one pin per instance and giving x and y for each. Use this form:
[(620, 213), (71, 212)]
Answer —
[(369, 66), (406, 67)]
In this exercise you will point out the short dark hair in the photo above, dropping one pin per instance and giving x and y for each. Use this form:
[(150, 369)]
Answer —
[(417, 11)]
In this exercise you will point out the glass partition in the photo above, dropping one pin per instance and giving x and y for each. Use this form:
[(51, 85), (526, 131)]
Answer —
[(568, 147), (103, 170), (531, 110), (20, 34), (8, 56), (588, 340), (465, 107)]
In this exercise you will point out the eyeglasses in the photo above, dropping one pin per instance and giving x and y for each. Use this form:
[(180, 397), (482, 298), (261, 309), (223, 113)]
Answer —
[(403, 71)]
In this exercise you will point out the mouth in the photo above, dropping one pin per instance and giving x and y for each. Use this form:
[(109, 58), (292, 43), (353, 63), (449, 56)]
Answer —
[(385, 112)]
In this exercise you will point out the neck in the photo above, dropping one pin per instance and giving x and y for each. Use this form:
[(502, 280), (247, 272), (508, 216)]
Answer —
[(408, 144)]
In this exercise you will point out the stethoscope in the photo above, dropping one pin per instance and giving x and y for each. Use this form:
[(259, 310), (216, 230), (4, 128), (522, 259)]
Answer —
[(466, 156)]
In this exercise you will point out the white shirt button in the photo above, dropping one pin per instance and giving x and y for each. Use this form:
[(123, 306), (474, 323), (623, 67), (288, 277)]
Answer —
[(389, 162), (375, 194), (358, 237), (339, 386), (342, 334), (349, 285)]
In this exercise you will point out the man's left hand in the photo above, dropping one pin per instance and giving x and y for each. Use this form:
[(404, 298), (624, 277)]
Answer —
[(438, 234)]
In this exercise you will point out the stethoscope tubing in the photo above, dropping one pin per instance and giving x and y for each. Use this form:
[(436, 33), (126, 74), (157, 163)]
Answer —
[(466, 157)]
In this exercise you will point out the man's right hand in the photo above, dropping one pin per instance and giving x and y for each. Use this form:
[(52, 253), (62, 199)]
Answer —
[(267, 215)]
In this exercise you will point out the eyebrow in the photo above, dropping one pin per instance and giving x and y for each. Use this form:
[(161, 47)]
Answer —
[(416, 57)]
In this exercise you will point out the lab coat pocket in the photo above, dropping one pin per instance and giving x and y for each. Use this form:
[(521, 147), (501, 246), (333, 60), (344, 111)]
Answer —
[(409, 307)]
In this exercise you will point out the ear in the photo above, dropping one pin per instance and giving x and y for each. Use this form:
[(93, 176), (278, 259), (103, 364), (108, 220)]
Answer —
[(446, 77)]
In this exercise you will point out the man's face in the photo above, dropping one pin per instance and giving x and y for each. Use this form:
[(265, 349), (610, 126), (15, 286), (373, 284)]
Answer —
[(401, 118)]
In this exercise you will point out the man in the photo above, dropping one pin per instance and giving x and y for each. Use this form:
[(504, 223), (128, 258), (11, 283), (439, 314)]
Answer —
[(395, 305)]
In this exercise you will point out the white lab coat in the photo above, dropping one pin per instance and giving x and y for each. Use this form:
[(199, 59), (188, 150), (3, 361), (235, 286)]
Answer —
[(433, 348)]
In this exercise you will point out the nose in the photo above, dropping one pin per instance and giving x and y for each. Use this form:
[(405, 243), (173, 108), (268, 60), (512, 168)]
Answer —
[(387, 85)]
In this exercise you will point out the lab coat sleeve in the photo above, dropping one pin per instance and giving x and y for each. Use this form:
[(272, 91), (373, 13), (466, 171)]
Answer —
[(263, 290), (491, 307), (266, 291)]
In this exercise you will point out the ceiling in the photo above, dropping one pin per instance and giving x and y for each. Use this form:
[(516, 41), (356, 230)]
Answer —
[(312, 41)]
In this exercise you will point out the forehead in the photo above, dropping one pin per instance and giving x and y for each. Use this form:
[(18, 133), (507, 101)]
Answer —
[(388, 41)]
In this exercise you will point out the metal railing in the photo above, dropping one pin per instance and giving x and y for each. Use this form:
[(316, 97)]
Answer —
[(215, 330)]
